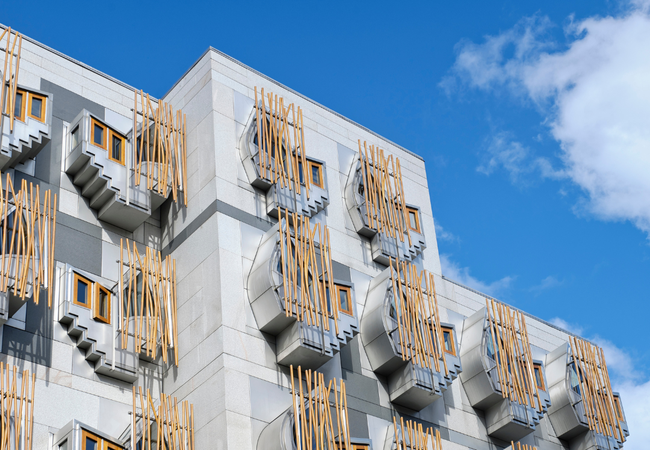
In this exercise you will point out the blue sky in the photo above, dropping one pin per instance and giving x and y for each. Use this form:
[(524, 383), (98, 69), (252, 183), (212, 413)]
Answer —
[(532, 118)]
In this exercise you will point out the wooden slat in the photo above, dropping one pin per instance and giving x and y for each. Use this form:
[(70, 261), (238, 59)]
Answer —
[(410, 435), (17, 404), (173, 425)]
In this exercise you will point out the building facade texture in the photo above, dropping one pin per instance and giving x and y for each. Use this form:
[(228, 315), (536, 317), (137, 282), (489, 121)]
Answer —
[(235, 266)]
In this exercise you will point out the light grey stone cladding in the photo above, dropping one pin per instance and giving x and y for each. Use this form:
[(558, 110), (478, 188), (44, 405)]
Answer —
[(230, 366)]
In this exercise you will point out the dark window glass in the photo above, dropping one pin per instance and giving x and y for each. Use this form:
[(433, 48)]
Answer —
[(98, 135), (82, 292), (18, 107), (116, 148), (37, 106), (74, 141), (103, 304), (538, 377), (91, 444)]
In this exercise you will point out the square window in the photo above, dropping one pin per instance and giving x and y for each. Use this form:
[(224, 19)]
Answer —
[(89, 441), (448, 339), (316, 173), (82, 291), (414, 219), (102, 305), (345, 299), (37, 107), (116, 152), (539, 376), (98, 133)]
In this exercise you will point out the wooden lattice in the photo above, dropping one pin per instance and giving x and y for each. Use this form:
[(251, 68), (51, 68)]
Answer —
[(281, 142), (418, 319), (16, 408), (596, 388), (514, 360), (316, 426), (174, 424), (383, 193), (306, 265), (154, 307), (10, 77), (165, 153), (27, 253), (519, 446), (415, 437)]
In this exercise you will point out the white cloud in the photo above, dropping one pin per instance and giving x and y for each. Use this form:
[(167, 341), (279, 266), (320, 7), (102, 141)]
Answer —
[(594, 94), (629, 381), (549, 282), (454, 271), (517, 159), (444, 235)]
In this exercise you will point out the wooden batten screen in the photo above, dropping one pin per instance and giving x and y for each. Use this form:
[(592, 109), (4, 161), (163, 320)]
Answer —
[(514, 360), (306, 262), (165, 153), (418, 320), (319, 422), (17, 408), (10, 75), (519, 446), (383, 192), (413, 436), (596, 388), (151, 304), (281, 142), (174, 422), (28, 234)]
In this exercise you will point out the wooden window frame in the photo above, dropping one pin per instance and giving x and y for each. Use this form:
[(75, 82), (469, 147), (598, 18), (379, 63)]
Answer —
[(541, 376), (25, 95), (320, 174), (109, 147), (339, 287), (110, 446), (87, 434), (89, 283), (453, 340), (43, 99), (96, 315), (417, 228), (94, 122)]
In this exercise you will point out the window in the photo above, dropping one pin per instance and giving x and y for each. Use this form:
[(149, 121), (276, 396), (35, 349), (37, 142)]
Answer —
[(575, 381), (414, 219), (63, 445), (82, 291), (98, 134), (111, 446), (345, 299), (19, 106), (102, 305), (116, 151), (74, 137), (619, 409), (89, 441), (539, 376), (316, 173), (36, 108), (448, 338)]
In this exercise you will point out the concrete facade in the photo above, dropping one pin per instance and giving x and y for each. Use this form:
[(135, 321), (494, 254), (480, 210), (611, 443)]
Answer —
[(227, 367)]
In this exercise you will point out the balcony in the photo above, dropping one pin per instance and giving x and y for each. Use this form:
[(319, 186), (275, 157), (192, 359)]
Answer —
[(375, 200), (585, 411), (27, 130), (408, 345), (501, 378), (292, 181), (294, 296)]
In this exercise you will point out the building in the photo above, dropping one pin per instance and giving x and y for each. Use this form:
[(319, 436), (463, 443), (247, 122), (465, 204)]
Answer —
[(235, 266)]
